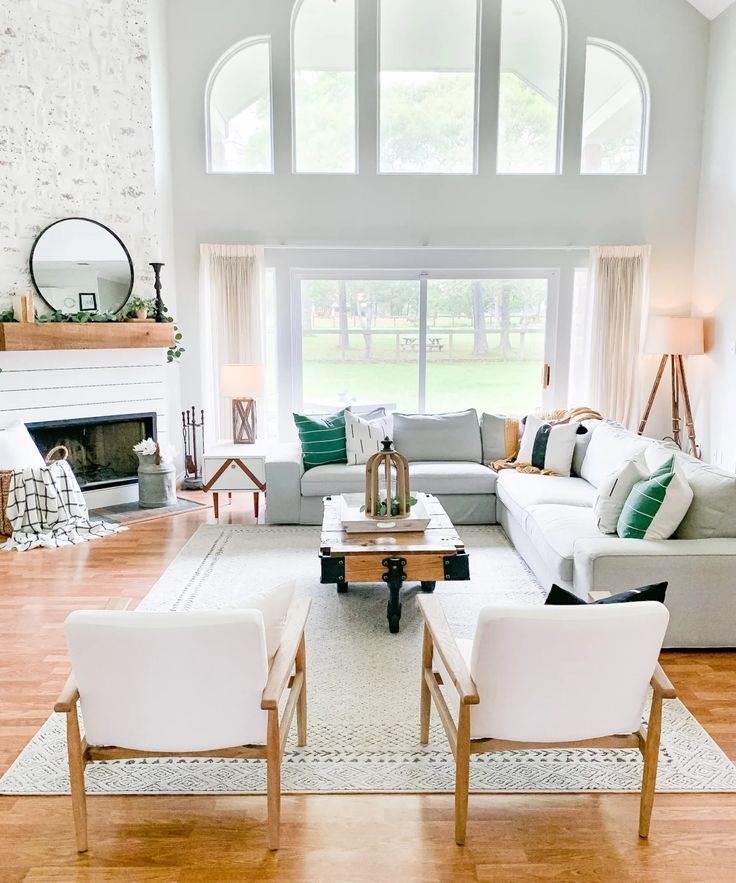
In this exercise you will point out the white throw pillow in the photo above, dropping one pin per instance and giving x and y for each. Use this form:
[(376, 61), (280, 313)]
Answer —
[(363, 437), (17, 448), (548, 446), (610, 447), (614, 491), (274, 603)]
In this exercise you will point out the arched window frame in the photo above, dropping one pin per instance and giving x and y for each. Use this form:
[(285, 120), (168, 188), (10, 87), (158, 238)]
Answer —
[(476, 108), (292, 61), (646, 101), (562, 13), (234, 50)]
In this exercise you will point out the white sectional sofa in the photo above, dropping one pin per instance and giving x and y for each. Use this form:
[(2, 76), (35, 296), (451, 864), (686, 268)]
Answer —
[(550, 519)]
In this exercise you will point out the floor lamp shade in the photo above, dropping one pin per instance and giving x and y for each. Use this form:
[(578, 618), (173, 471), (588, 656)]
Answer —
[(242, 383), (674, 336)]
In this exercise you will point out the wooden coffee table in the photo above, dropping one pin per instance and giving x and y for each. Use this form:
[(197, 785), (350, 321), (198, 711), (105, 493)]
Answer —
[(434, 555)]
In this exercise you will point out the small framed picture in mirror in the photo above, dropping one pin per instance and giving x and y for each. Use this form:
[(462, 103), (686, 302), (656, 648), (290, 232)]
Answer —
[(87, 302)]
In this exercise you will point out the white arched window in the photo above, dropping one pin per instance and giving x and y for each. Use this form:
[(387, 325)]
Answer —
[(615, 112), (428, 86), (531, 86), (238, 110), (323, 62)]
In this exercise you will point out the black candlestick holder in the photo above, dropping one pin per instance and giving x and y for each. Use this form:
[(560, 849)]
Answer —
[(157, 288)]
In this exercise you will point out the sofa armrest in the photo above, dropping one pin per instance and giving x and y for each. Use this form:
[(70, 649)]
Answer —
[(615, 564), (284, 470)]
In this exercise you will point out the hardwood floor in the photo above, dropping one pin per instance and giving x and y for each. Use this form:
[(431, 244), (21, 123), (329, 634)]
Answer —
[(324, 838)]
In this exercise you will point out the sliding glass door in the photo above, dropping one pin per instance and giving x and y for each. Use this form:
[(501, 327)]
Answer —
[(416, 341)]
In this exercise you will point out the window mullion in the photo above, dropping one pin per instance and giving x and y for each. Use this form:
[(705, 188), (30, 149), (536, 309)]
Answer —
[(422, 342)]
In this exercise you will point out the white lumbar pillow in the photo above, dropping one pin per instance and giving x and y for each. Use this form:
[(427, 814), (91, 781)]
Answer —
[(363, 437), (548, 446), (17, 448), (614, 491), (274, 603)]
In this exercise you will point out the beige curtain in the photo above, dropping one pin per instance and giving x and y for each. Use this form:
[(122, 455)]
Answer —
[(231, 286), (618, 316)]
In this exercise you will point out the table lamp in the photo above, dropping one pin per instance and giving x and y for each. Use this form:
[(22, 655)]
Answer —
[(242, 384), (673, 338)]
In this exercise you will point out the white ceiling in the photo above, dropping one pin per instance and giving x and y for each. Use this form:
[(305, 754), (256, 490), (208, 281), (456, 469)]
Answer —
[(711, 8)]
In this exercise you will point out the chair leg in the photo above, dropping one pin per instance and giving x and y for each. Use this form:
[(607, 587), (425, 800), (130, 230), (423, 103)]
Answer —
[(651, 760), (425, 699), (301, 707), (273, 767), (76, 777), (462, 774)]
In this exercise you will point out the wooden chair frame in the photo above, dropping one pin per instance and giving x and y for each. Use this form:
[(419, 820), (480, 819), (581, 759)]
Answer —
[(289, 668), (437, 635)]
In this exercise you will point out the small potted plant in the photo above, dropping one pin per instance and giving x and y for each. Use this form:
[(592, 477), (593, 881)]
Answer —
[(140, 308)]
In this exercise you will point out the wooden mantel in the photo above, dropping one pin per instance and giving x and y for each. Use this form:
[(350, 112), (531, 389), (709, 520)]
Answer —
[(15, 336)]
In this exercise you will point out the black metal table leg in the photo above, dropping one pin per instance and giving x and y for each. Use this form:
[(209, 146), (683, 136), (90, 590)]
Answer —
[(342, 587), (394, 578), (428, 585)]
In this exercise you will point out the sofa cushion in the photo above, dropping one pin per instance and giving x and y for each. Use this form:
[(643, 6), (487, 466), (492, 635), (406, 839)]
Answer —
[(582, 441), (554, 530), (614, 491), (439, 437), (333, 478), (452, 478), (499, 437), (609, 448), (712, 512), (518, 491)]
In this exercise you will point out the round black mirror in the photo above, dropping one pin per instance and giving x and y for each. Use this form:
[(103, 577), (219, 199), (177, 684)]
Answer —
[(80, 265)]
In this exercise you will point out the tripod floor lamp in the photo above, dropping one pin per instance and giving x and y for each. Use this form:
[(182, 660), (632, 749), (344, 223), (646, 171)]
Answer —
[(672, 339)]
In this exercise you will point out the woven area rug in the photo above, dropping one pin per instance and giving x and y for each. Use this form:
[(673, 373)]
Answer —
[(364, 690)]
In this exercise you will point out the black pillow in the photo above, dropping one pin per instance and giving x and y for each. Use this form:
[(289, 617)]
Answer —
[(561, 597)]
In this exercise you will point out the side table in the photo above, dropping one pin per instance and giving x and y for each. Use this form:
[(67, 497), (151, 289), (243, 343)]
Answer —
[(229, 467)]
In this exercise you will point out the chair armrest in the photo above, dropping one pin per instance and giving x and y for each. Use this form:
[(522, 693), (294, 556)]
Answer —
[(661, 684), (118, 603), (283, 661), (68, 697), (444, 641), (69, 694)]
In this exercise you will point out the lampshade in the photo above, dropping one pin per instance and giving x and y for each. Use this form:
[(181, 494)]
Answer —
[(667, 335), (241, 381)]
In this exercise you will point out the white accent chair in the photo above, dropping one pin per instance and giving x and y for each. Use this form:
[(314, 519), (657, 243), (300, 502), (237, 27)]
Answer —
[(189, 684), (544, 676)]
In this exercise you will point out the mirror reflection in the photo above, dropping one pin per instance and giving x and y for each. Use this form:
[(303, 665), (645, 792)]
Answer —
[(79, 265)]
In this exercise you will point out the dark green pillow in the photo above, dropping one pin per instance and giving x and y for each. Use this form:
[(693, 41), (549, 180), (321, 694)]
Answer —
[(322, 438), (559, 597)]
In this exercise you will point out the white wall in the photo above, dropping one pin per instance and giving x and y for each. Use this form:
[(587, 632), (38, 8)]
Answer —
[(668, 37), (713, 377)]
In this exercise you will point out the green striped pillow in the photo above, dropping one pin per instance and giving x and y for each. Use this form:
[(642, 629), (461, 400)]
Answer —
[(656, 505), (322, 438)]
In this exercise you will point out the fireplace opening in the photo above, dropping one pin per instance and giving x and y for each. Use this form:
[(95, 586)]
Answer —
[(100, 448)]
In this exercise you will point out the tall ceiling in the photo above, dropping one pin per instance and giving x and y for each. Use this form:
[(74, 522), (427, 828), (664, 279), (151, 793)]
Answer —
[(711, 8)]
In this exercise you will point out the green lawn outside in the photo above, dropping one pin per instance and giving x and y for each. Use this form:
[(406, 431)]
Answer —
[(493, 386)]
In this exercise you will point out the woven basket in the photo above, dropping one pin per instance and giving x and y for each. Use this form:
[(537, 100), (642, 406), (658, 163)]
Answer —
[(6, 528)]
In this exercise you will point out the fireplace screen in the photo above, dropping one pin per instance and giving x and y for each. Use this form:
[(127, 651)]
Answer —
[(100, 448)]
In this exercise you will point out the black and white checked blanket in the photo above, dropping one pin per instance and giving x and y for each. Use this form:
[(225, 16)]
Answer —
[(46, 508)]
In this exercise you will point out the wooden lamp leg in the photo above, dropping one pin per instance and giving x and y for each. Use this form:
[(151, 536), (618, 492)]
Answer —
[(653, 394), (675, 401), (689, 424)]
